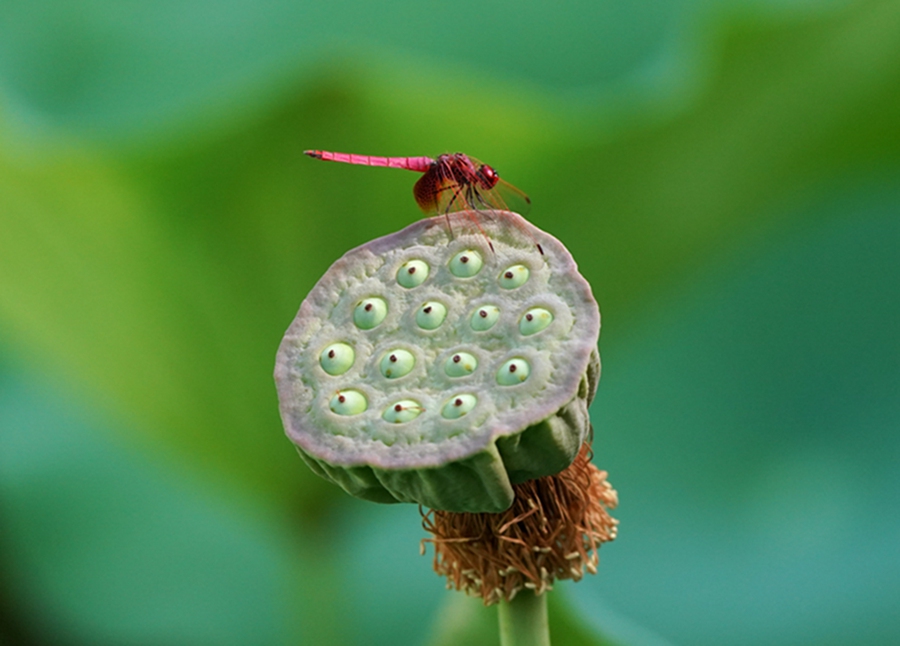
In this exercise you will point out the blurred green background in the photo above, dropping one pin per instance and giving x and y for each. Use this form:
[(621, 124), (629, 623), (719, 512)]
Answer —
[(726, 173)]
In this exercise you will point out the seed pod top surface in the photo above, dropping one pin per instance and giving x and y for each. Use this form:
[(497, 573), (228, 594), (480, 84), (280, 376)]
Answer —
[(418, 350)]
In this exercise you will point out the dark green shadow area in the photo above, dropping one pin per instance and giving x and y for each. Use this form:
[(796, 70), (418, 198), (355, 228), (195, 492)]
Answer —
[(102, 545), (390, 587)]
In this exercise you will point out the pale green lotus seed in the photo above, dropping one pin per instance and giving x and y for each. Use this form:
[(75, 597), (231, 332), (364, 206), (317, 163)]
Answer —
[(369, 313), (457, 406), (348, 402), (397, 363), (404, 410), (412, 273), (485, 317), (535, 320), (460, 364), (337, 358), (466, 263), (513, 372), (514, 276), (431, 315)]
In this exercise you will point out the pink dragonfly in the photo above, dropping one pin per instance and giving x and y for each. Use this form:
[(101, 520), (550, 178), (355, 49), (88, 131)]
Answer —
[(452, 182)]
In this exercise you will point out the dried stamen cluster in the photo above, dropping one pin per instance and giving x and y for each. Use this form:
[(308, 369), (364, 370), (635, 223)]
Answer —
[(552, 531)]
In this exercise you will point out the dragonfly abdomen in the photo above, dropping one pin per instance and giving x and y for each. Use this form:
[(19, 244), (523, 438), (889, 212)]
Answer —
[(418, 164)]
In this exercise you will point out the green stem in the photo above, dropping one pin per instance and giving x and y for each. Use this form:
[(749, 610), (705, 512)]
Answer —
[(523, 621)]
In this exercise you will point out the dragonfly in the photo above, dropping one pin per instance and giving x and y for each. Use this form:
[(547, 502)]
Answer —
[(450, 183)]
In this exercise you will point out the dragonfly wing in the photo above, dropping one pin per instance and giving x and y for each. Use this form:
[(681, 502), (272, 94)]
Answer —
[(503, 196), (453, 183), (427, 193), (438, 192), (512, 198)]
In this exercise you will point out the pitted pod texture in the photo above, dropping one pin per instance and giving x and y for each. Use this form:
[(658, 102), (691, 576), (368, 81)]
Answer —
[(434, 369)]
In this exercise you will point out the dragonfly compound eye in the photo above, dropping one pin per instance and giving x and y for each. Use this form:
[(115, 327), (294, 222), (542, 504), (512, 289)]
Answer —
[(434, 370), (488, 175)]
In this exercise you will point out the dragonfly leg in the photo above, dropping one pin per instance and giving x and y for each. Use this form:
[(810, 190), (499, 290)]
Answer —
[(473, 196), (457, 189)]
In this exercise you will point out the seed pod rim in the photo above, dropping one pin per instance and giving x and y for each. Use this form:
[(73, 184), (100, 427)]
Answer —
[(348, 270)]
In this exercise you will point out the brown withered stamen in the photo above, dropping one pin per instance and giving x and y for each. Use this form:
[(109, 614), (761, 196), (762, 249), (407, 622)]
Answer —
[(552, 531)]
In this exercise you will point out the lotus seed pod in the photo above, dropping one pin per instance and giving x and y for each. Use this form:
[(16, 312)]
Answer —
[(492, 373)]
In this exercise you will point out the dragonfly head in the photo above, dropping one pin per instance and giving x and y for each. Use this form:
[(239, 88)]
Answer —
[(488, 175)]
